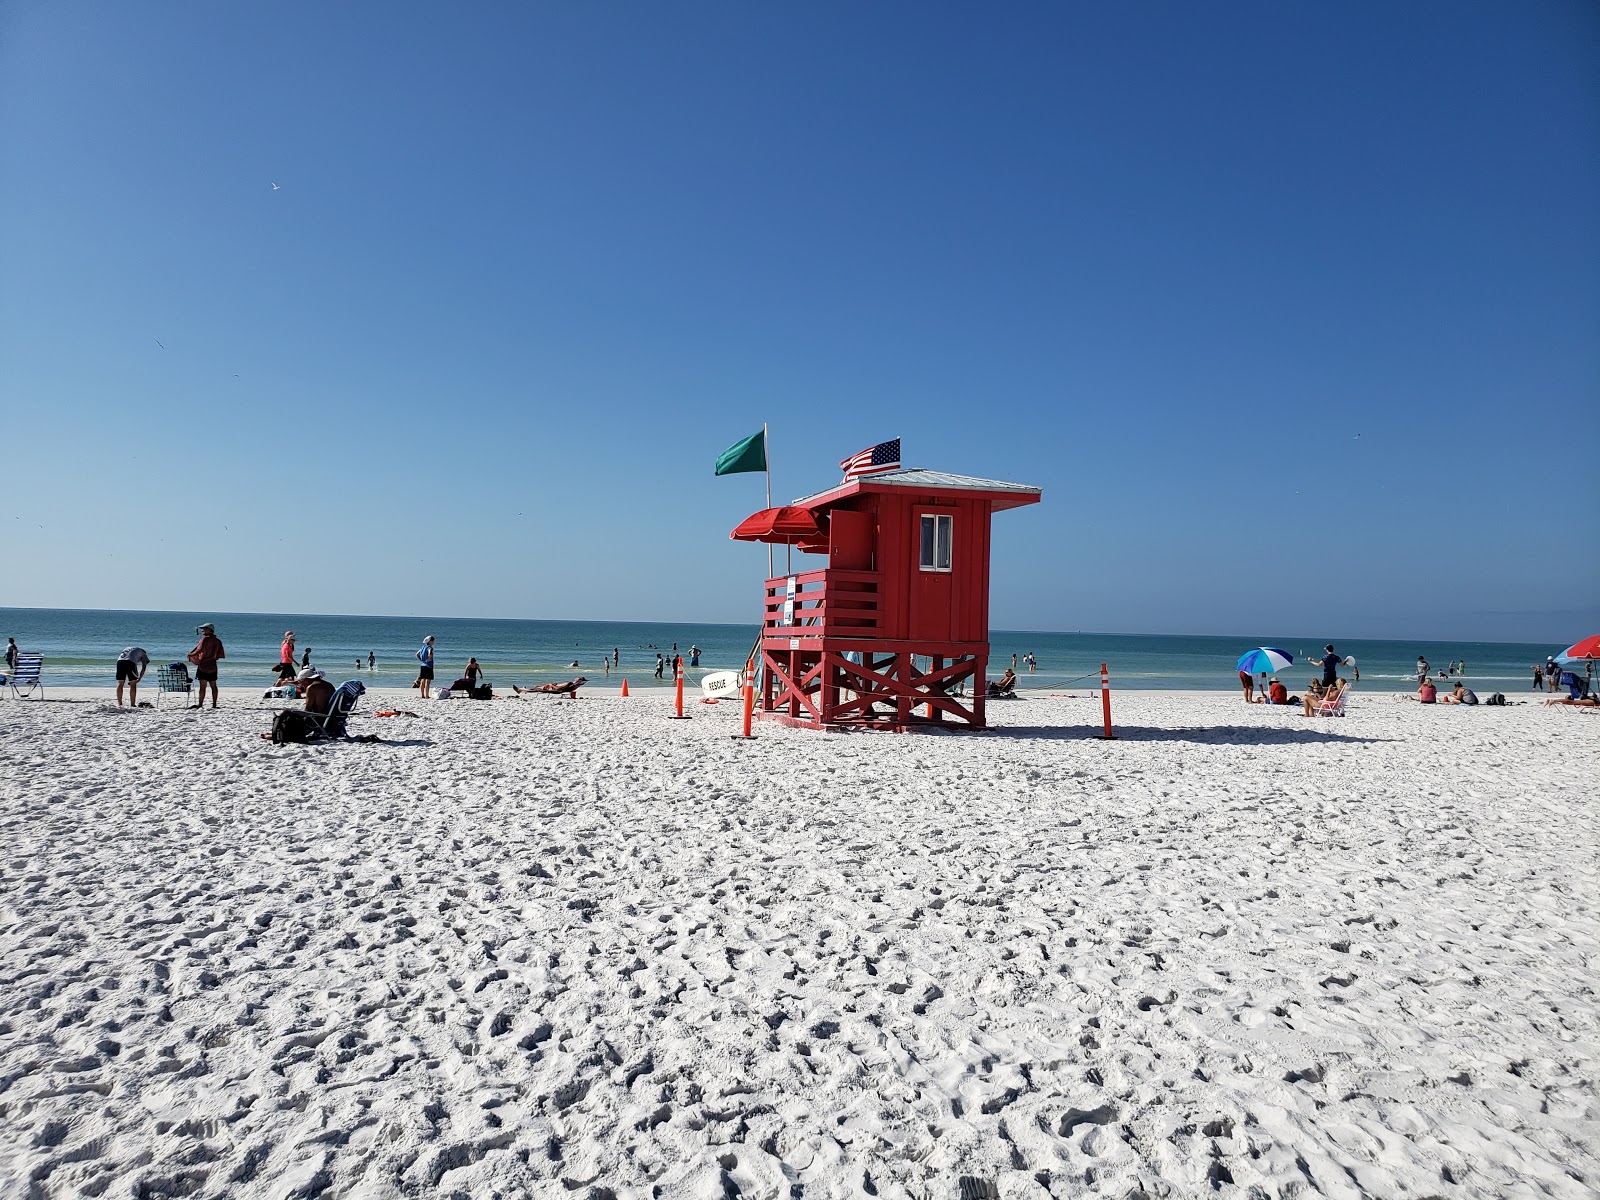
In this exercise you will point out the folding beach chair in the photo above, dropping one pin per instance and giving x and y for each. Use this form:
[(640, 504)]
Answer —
[(331, 724), (25, 679), (173, 679), (1333, 707)]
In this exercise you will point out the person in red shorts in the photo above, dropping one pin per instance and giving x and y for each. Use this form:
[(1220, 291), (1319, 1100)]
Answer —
[(206, 654), (1248, 682)]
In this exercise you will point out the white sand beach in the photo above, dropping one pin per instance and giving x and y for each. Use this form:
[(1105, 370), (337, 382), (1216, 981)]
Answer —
[(543, 948)]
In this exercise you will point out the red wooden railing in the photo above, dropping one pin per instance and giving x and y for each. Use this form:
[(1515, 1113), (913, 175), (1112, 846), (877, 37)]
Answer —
[(829, 602)]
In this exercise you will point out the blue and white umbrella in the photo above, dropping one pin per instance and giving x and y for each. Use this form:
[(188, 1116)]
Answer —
[(1264, 658)]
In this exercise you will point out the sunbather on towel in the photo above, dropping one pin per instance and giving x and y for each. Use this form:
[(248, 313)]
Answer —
[(570, 688)]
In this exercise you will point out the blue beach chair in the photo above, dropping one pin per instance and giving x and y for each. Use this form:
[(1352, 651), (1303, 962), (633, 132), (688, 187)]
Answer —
[(25, 680), (331, 724)]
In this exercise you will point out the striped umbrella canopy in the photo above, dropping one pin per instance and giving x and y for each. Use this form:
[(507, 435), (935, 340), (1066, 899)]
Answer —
[(1264, 658), (1578, 651)]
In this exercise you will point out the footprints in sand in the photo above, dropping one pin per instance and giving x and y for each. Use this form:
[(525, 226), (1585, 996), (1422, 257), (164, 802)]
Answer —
[(1000, 971)]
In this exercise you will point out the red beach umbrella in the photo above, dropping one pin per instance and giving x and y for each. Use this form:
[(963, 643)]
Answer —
[(1588, 648), (786, 526)]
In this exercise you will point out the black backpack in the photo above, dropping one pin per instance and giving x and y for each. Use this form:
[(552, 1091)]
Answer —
[(292, 725), (1496, 699)]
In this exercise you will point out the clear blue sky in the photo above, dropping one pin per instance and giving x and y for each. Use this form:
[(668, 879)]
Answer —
[(532, 266)]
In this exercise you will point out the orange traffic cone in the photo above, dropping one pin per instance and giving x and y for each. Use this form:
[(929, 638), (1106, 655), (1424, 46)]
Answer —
[(677, 706), (624, 686)]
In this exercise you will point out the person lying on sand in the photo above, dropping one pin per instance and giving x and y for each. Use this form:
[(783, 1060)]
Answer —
[(570, 688)]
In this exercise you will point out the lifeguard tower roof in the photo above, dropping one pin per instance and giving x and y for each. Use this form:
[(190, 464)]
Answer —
[(1003, 495)]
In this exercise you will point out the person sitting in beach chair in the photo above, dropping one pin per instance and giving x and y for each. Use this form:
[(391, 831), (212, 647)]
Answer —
[(570, 688), (1004, 688), (1313, 697), (1332, 702), (327, 710)]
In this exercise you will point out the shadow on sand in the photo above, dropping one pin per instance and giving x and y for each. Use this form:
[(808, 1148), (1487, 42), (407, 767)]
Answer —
[(1211, 735)]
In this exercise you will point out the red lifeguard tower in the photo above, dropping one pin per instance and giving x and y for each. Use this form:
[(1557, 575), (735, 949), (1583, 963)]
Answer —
[(907, 579)]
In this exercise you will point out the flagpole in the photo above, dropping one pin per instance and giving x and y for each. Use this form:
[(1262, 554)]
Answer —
[(766, 453)]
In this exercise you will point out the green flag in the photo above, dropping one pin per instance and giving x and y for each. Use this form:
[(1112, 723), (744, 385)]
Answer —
[(748, 455)]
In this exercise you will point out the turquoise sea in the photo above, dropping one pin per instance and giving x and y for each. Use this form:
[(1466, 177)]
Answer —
[(80, 646)]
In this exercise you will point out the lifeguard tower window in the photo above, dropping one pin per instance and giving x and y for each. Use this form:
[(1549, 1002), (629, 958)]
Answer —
[(936, 528)]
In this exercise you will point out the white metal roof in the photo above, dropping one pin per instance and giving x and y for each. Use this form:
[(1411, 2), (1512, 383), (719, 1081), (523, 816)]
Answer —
[(919, 477)]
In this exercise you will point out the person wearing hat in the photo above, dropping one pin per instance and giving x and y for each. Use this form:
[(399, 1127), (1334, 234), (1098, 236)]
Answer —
[(285, 667), (206, 654), (425, 675), (315, 687)]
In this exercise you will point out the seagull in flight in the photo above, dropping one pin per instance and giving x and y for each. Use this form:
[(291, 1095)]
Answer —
[(276, 188), (157, 341)]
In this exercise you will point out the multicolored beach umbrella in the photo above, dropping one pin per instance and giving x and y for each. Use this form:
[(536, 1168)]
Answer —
[(1264, 658), (1578, 651)]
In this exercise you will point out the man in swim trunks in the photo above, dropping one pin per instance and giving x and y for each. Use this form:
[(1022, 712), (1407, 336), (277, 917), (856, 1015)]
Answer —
[(206, 654), (132, 663), (1248, 682)]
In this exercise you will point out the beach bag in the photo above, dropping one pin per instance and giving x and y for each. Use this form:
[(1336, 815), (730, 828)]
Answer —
[(483, 693), (1497, 699), (292, 725)]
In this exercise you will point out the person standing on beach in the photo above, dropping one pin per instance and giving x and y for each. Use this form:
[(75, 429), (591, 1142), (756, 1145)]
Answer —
[(285, 669), (425, 674), (11, 655), (661, 664), (1538, 678), (132, 663), (1330, 662), (205, 656), (1249, 682)]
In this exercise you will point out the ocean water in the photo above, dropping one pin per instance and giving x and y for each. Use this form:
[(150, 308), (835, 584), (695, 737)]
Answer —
[(80, 646)]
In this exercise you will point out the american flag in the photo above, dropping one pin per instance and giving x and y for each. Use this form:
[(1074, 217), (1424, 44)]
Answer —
[(885, 456)]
